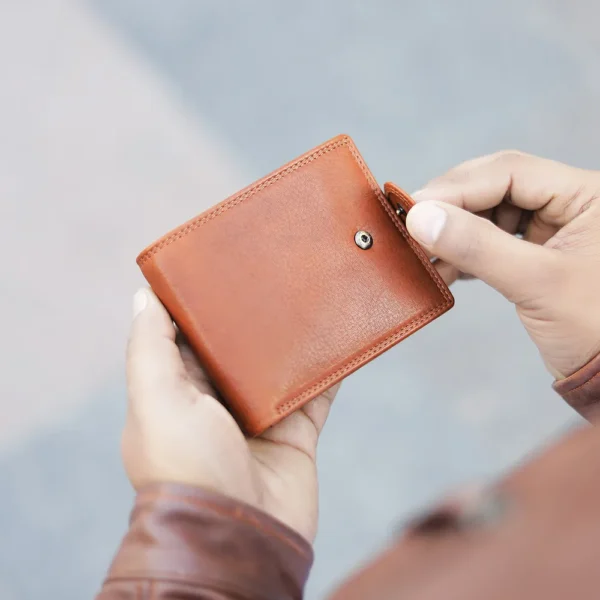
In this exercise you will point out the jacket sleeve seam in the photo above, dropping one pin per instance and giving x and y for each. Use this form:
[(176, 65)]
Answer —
[(238, 515), (567, 393), (151, 579)]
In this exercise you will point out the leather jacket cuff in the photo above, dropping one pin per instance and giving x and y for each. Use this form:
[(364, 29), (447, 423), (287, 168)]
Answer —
[(201, 540), (582, 390)]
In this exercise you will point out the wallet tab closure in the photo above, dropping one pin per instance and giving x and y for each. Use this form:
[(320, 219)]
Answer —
[(401, 202)]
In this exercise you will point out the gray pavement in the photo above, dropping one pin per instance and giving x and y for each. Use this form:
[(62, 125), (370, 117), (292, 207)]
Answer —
[(121, 118)]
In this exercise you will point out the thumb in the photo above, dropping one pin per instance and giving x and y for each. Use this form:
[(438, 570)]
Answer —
[(154, 363), (519, 270)]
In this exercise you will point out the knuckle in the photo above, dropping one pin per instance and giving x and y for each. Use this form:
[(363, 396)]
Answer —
[(510, 163), (566, 208), (511, 154), (504, 161), (442, 180), (466, 170)]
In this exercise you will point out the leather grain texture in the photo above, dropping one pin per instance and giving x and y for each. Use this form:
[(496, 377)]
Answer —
[(275, 296), (187, 542)]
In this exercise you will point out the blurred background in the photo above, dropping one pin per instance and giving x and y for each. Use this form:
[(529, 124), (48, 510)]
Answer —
[(119, 119)]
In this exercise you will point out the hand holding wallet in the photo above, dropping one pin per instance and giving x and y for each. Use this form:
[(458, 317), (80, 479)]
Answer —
[(290, 285)]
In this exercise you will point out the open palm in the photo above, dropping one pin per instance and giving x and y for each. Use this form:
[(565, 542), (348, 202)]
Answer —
[(178, 431)]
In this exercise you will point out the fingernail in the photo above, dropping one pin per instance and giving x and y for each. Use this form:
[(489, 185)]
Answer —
[(140, 301), (426, 222)]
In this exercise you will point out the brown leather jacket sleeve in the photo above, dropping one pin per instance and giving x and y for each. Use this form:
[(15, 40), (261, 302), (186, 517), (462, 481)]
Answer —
[(534, 534), (582, 390), (187, 543)]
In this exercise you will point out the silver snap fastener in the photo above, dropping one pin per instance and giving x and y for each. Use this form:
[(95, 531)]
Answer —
[(363, 239), (400, 212)]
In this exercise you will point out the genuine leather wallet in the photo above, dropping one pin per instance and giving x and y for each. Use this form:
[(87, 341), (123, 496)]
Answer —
[(295, 282)]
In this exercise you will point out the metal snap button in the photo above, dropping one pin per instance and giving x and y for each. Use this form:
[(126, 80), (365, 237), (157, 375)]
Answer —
[(400, 212), (363, 239)]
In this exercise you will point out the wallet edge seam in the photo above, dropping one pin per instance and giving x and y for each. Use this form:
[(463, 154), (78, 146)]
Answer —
[(397, 335), (389, 341), (241, 196)]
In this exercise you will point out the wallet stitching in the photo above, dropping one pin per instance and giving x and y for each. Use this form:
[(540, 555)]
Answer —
[(430, 315), (402, 332), (383, 201), (238, 199)]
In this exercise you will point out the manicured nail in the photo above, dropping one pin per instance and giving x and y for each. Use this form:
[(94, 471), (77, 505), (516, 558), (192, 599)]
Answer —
[(426, 222), (140, 301)]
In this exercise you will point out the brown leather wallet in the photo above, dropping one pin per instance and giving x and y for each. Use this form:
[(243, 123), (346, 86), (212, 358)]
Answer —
[(295, 282)]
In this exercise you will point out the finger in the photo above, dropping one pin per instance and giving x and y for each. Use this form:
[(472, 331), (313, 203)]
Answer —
[(557, 190), (194, 370), (154, 363), (537, 231), (302, 428), (507, 217), (318, 409), (517, 269), (449, 273), (529, 224)]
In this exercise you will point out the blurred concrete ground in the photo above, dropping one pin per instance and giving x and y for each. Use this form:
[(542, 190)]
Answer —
[(121, 118)]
